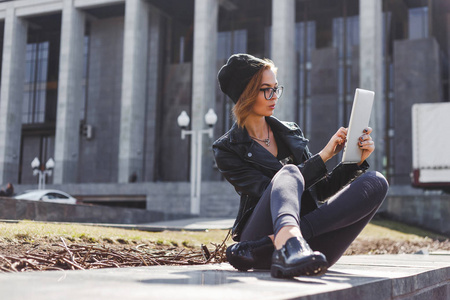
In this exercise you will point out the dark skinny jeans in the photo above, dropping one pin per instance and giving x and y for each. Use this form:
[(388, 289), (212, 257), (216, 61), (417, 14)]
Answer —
[(330, 228)]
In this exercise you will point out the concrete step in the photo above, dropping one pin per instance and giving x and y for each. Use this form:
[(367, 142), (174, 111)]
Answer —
[(376, 277)]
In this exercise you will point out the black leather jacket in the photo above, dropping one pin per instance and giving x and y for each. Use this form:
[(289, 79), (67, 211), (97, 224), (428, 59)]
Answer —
[(250, 168)]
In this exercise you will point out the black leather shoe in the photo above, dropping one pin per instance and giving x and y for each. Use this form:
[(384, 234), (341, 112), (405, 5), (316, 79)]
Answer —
[(296, 258), (251, 254)]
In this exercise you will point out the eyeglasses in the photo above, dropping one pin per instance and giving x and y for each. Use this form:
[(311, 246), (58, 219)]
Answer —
[(268, 92)]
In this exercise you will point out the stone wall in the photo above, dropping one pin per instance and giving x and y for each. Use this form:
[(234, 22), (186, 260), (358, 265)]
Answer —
[(219, 198), (11, 209), (429, 210)]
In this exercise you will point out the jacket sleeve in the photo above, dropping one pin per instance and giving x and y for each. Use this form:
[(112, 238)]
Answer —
[(313, 169), (341, 175), (245, 178)]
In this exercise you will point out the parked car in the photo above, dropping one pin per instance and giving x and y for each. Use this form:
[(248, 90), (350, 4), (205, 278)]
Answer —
[(47, 196)]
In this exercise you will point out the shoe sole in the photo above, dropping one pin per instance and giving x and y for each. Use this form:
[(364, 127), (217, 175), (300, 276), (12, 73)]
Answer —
[(315, 267), (240, 264)]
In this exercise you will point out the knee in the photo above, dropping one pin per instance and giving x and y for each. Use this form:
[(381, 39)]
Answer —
[(293, 172), (377, 183), (381, 182)]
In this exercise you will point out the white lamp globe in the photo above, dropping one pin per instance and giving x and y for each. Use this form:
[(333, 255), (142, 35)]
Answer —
[(50, 164), (183, 119), (35, 163), (211, 118)]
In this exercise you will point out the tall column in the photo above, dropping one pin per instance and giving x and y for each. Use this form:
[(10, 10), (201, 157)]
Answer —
[(154, 74), (134, 79), (204, 74), (283, 55), (13, 76), (70, 94), (371, 71), (204, 82)]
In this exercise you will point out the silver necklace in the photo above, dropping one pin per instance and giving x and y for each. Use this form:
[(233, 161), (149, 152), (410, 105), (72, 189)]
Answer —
[(266, 141)]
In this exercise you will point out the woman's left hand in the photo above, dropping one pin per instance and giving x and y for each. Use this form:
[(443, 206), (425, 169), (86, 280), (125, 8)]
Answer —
[(366, 144)]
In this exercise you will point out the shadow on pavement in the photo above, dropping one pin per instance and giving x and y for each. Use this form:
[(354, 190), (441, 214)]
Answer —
[(218, 277)]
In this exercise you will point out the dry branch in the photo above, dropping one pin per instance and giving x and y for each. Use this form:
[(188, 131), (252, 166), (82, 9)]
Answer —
[(78, 256)]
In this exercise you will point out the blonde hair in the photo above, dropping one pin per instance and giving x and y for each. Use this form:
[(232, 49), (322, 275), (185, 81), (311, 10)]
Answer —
[(244, 105)]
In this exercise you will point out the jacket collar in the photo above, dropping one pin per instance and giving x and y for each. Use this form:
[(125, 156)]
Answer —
[(240, 134)]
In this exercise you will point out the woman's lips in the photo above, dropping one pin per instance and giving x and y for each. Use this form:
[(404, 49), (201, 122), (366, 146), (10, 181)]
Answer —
[(272, 106)]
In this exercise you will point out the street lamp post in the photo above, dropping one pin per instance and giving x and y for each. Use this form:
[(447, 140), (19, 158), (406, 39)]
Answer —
[(196, 153), (36, 164)]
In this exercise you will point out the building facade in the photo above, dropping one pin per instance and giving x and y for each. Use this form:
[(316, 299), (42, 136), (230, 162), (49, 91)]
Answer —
[(98, 84)]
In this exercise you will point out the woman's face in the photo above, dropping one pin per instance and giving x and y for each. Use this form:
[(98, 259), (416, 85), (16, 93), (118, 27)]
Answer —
[(263, 107)]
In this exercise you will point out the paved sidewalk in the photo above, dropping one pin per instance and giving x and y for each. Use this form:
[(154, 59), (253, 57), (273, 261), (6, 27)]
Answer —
[(375, 277)]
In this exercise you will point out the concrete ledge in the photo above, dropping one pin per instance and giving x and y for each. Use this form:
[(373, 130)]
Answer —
[(376, 277)]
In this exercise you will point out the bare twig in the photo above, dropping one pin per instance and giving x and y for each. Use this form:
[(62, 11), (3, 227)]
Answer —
[(75, 256), (9, 263), (86, 255), (73, 264), (65, 246)]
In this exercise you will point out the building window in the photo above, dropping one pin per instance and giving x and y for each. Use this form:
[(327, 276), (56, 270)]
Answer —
[(34, 97), (418, 23)]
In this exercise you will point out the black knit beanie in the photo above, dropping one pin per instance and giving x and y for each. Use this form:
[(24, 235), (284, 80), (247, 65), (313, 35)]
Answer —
[(237, 73)]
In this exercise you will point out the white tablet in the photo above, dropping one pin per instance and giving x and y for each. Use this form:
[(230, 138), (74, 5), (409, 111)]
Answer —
[(359, 120)]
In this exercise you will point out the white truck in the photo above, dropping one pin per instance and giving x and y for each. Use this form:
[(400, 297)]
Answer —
[(431, 145)]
